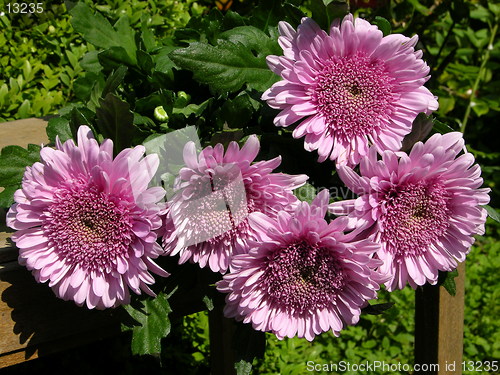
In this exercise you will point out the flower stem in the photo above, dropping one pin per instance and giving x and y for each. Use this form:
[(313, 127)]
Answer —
[(485, 58)]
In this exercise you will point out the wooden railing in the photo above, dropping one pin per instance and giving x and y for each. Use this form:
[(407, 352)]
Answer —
[(34, 323)]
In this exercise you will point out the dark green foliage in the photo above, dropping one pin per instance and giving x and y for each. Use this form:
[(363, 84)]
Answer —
[(207, 68), (13, 163)]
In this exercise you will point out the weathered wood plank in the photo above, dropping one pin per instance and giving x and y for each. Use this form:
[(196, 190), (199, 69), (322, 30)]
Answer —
[(439, 327), (451, 326), (33, 322), (32, 317)]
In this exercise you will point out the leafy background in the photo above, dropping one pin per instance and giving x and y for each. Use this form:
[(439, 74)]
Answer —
[(110, 64)]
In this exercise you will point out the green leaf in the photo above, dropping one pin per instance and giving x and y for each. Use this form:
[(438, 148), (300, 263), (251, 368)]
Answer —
[(114, 57), (229, 65), (90, 62), (147, 36), (270, 12), (258, 42), (27, 70), (97, 30), (209, 303), (383, 25), (227, 136), (193, 109), (377, 309), (446, 104), (493, 213), (13, 163), (114, 80), (449, 282), (84, 85), (325, 11), (305, 193), (59, 126), (7, 196), (204, 28), (420, 8), (243, 367), (441, 127), (145, 62), (163, 63), (237, 112), (115, 120), (154, 324), (81, 116), (24, 109), (421, 127), (480, 107)]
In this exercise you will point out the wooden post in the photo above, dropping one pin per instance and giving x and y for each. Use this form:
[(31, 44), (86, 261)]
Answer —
[(222, 355), (439, 328)]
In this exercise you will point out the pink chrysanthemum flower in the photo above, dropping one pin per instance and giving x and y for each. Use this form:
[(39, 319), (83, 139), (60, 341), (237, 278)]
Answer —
[(302, 276), (423, 208), (86, 223), (212, 205), (350, 88)]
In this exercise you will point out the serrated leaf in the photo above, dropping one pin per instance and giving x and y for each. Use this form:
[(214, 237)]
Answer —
[(243, 367), (209, 303), (493, 213), (97, 30), (449, 282), (254, 39), (154, 324), (115, 120), (13, 163), (228, 66)]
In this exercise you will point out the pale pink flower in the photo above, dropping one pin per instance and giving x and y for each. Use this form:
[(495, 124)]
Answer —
[(302, 276), (86, 223), (350, 88), (423, 208), (208, 199)]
